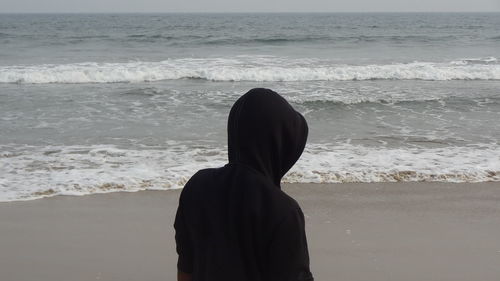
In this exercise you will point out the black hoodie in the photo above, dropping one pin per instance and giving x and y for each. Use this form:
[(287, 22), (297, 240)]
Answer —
[(234, 223)]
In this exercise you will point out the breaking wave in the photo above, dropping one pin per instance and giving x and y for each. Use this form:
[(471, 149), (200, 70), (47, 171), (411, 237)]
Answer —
[(248, 68), (36, 172)]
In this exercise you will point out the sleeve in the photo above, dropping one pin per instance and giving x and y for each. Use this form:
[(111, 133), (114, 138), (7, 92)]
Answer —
[(183, 244), (288, 253)]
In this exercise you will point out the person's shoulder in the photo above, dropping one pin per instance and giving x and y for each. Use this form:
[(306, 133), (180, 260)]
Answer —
[(195, 183), (201, 174), (288, 203), (200, 177), (288, 198)]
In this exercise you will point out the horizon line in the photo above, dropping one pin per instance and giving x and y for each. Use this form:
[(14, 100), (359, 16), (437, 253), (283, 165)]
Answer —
[(262, 12)]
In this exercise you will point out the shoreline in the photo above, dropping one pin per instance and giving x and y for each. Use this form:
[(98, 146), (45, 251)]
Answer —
[(359, 231)]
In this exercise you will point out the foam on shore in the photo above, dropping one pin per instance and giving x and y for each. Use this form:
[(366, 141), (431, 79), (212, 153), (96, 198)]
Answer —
[(36, 172)]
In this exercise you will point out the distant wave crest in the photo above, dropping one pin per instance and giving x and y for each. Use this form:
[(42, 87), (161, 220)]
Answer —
[(248, 69)]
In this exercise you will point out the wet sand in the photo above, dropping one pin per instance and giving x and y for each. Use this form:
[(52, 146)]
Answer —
[(400, 231)]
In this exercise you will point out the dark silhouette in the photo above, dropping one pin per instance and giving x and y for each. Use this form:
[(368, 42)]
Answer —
[(234, 223)]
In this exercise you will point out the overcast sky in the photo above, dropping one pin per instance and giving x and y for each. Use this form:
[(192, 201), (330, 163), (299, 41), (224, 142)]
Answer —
[(99, 6)]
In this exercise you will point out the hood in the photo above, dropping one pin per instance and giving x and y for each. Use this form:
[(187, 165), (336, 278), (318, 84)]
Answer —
[(266, 133)]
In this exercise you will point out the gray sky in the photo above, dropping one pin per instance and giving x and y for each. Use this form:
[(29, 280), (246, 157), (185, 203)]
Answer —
[(98, 6)]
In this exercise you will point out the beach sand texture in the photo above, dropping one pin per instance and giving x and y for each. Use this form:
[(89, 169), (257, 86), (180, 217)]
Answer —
[(389, 231)]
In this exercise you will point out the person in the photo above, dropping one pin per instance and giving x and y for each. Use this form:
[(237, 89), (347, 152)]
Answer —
[(234, 223)]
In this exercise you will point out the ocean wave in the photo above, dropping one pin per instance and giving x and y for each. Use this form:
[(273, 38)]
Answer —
[(266, 40), (469, 61), (318, 39), (235, 39), (247, 68), (152, 38), (328, 101), (397, 38), (353, 163), (36, 172)]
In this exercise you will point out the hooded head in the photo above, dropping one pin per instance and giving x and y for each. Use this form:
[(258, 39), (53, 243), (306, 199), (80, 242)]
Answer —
[(266, 133)]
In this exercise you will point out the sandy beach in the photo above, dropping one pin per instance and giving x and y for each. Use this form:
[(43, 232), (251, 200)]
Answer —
[(397, 231)]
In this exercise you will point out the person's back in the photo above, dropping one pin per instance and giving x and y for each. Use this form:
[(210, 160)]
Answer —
[(234, 223)]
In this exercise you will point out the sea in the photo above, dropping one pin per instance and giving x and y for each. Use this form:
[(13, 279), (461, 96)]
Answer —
[(94, 103)]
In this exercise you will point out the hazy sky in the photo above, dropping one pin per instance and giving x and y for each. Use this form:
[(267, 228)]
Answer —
[(7, 6)]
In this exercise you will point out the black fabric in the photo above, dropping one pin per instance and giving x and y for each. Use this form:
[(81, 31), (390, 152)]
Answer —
[(234, 223)]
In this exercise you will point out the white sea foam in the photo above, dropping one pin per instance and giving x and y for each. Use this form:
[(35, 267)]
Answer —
[(488, 60), (350, 163), (35, 172), (247, 68)]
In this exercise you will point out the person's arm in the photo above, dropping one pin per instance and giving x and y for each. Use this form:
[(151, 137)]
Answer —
[(183, 246), (288, 253), (182, 276)]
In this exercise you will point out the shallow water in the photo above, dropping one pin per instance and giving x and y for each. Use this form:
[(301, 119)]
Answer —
[(97, 103)]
